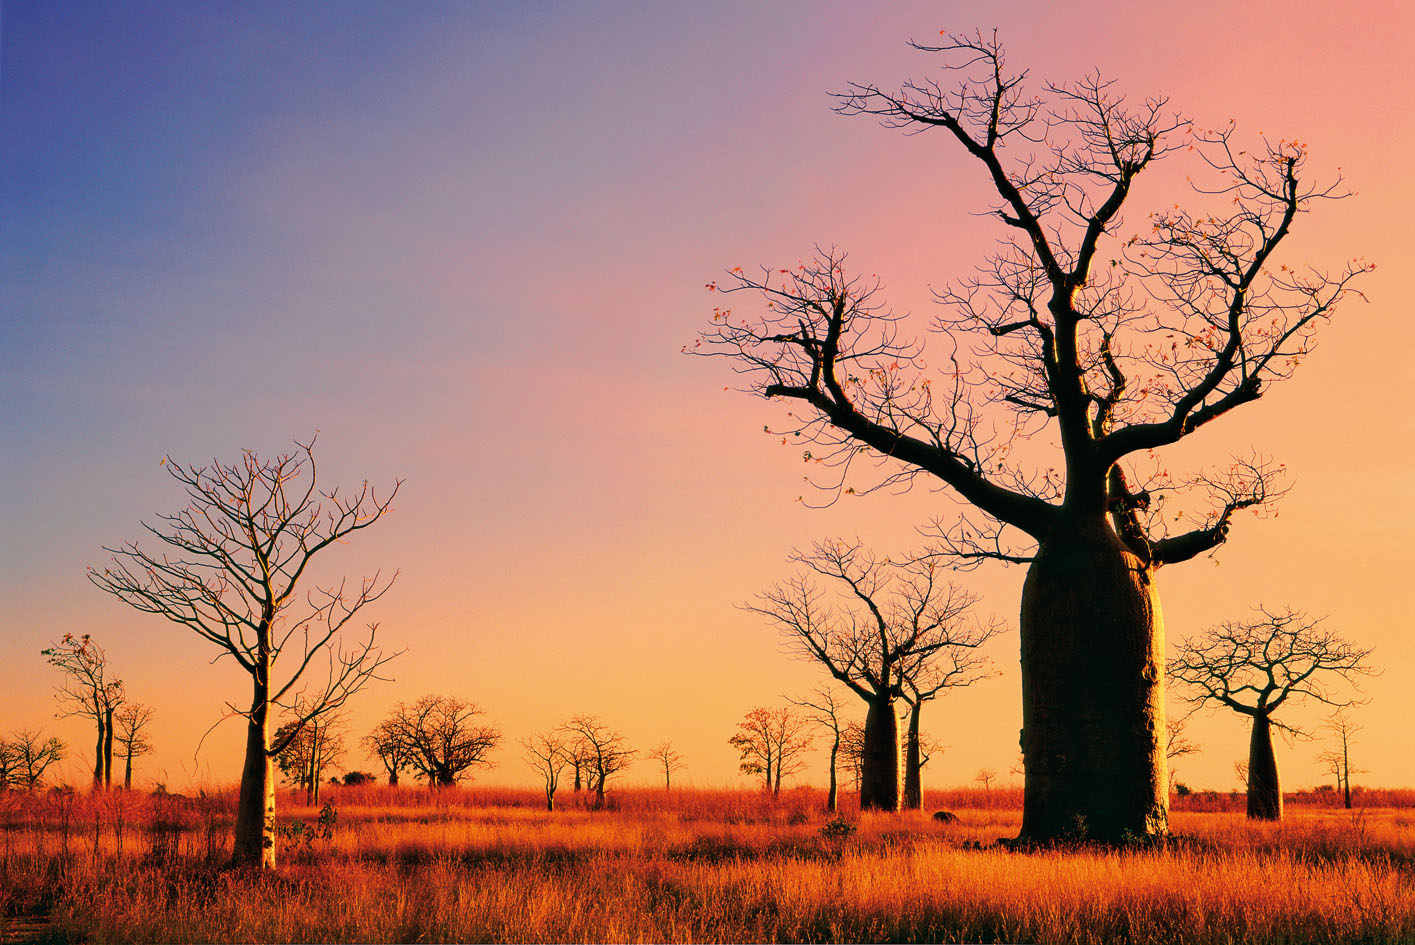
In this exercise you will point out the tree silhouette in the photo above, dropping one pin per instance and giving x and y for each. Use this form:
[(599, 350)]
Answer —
[(1257, 667), (602, 752), (388, 742), (1101, 350), (310, 752), (131, 722), (443, 738), (548, 755), (665, 756), (28, 755), (229, 570), (823, 707), (927, 677), (1338, 760), (87, 692), (771, 742), (883, 626)]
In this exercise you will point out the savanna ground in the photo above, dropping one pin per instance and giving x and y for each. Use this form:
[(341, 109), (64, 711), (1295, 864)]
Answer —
[(693, 865)]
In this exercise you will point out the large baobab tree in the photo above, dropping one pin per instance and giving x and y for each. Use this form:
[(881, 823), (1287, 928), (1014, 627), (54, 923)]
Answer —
[(771, 743), (229, 567), (1075, 356), (881, 624), (87, 692), (1256, 667), (443, 738), (131, 722), (601, 752), (823, 708)]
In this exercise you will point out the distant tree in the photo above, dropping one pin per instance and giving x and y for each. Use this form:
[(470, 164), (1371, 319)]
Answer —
[(131, 723), (88, 692), (9, 765), (32, 754), (666, 757), (444, 738), (1103, 350), (1255, 668), (548, 754), (312, 750), (602, 752), (771, 743), (231, 563), (852, 751), (823, 707), (985, 777), (356, 778), (389, 743), (1338, 760), (883, 628), (930, 675), (1176, 744)]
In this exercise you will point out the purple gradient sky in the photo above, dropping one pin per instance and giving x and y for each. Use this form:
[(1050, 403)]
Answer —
[(465, 242)]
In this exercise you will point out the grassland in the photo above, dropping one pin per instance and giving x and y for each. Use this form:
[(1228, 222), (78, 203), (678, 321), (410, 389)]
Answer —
[(491, 865)]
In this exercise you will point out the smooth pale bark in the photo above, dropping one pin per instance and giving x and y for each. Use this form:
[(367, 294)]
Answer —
[(879, 757), (254, 844), (913, 789), (1264, 788), (1092, 691)]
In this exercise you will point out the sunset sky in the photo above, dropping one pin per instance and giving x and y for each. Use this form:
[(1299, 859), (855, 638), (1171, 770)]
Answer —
[(466, 242)]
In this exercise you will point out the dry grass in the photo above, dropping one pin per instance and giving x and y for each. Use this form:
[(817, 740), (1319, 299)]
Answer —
[(484, 865)]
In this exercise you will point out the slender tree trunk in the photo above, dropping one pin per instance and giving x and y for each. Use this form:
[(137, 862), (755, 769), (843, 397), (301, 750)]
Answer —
[(579, 784), (831, 800), (1345, 773), (879, 758), (1092, 691), (98, 753), (1264, 788), (108, 747), (913, 789), (255, 807), (128, 770)]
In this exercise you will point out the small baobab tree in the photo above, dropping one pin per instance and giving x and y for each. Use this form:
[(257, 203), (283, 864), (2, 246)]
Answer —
[(823, 708), (1074, 359), (547, 754), (29, 755), (928, 675), (131, 722), (602, 752), (230, 567), (771, 743), (666, 757), (444, 738), (312, 751), (1338, 759), (1255, 668), (985, 777), (882, 627), (388, 742), (88, 691)]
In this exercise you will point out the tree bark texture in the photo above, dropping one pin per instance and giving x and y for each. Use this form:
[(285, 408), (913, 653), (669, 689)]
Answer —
[(255, 808), (1264, 788), (913, 789), (1092, 691), (879, 759)]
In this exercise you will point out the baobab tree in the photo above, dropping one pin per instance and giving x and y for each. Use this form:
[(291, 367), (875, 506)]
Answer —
[(1256, 667), (229, 568), (29, 755), (318, 746), (1072, 360), (88, 692), (130, 734), (771, 743), (823, 707), (444, 739), (1338, 760), (665, 756), (601, 751), (388, 742), (882, 622), (547, 754), (925, 678)]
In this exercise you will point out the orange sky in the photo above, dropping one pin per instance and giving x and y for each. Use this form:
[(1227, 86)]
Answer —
[(466, 247)]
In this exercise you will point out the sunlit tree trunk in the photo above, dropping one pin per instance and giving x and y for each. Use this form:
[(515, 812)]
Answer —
[(1264, 788), (255, 807), (913, 789), (879, 758), (1092, 691)]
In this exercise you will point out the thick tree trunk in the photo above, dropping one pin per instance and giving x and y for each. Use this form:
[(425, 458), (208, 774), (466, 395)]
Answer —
[(879, 758), (392, 777), (1264, 789), (254, 844), (1092, 691), (98, 755), (913, 790), (831, 799), (108, 747)]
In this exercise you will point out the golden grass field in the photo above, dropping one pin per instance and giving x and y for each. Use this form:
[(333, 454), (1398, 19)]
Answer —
[(491, 865)]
